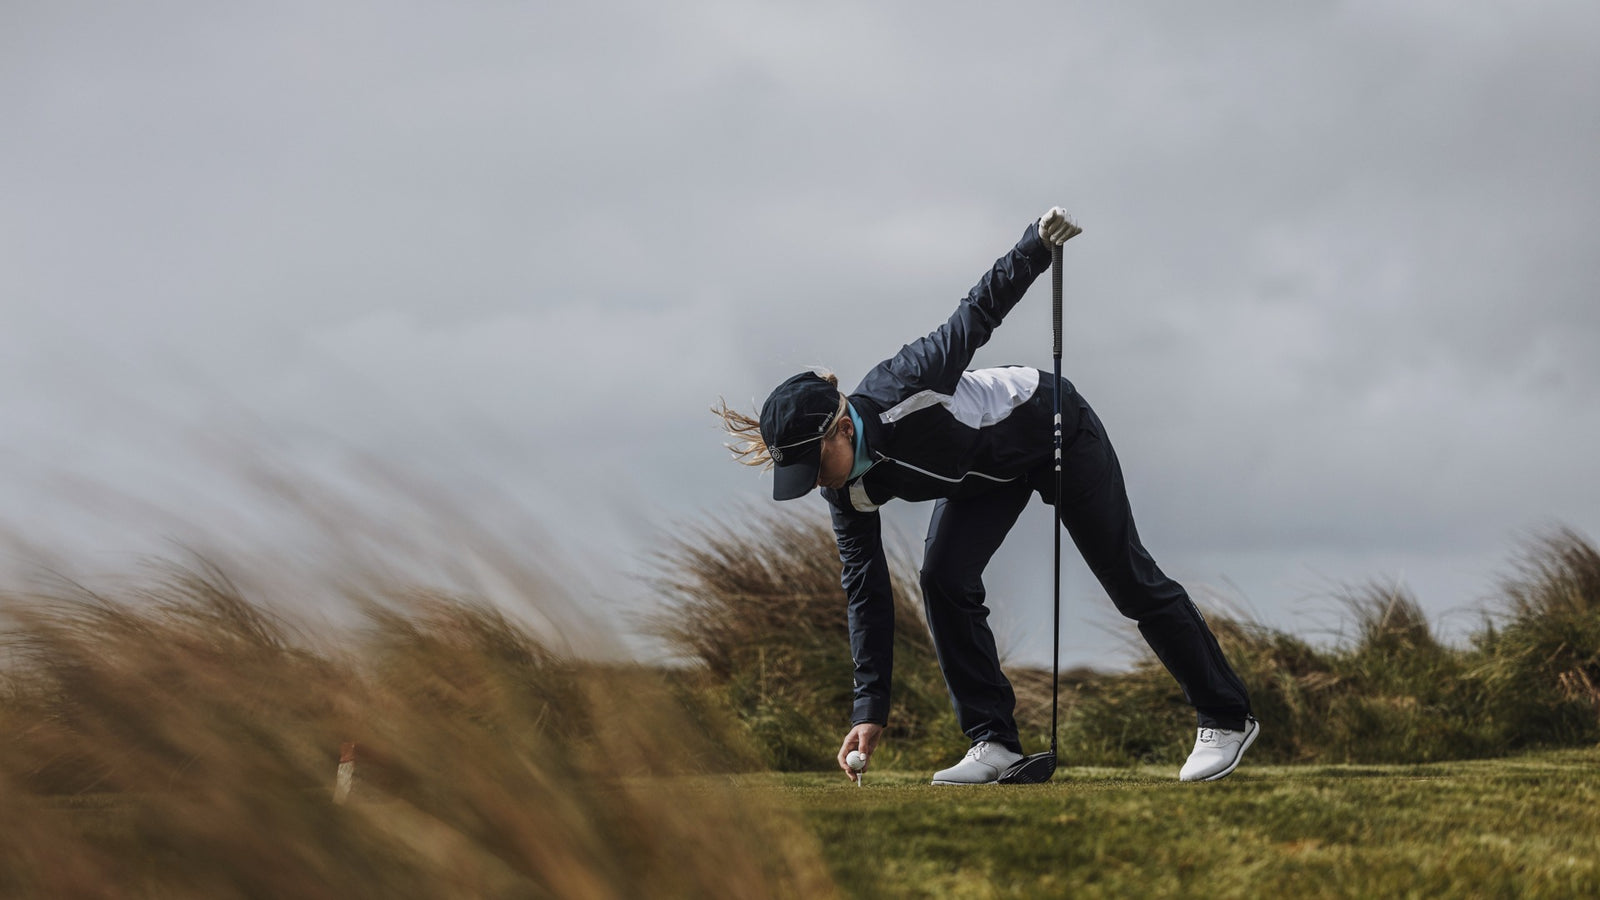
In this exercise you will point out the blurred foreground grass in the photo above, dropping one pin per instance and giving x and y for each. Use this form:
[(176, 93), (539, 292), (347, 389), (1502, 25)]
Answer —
[(168, 736), (1527, 826)]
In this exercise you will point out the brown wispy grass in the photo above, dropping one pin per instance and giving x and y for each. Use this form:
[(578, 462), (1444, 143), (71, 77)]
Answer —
[(1390, 691), (1538, 662), (757, 604), (168, 736)]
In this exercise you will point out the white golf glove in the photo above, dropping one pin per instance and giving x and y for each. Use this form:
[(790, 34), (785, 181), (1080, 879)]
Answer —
[(1056, 228)]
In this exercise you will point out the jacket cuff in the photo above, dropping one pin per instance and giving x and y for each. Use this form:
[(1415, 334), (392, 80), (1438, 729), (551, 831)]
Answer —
[(870, 709), (1032, 245)]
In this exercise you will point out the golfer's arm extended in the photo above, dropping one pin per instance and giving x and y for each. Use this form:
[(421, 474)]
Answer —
[(865, 578), (936, 362)]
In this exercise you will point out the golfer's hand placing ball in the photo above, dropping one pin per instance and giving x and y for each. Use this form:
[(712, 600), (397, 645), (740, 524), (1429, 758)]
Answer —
[(1056, 228), (862, 739)]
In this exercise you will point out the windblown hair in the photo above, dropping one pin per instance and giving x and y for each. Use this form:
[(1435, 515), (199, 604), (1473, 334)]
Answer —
[(748, 447)]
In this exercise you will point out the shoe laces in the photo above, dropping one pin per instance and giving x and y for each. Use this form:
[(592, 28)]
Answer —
[(977, 750)]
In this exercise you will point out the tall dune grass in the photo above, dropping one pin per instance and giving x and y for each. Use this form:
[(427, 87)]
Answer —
[(1539, 664), (1390, 691), (757, 603), (168, 736)]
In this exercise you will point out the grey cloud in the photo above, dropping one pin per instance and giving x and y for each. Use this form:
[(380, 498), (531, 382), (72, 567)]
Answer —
[(1334, 298)]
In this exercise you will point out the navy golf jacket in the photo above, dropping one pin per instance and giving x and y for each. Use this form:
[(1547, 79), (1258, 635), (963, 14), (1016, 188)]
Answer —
[(934, 429)]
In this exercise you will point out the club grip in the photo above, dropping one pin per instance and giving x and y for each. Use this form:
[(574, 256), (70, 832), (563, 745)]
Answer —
[(1055, 295)]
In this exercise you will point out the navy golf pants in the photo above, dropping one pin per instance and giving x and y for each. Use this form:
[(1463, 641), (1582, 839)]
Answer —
[(965, 533)]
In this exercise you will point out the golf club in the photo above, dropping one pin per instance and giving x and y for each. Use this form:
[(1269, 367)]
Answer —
[(1039, 767)]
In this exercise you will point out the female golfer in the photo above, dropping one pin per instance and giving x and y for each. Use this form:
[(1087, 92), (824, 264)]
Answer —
[(920, 426)]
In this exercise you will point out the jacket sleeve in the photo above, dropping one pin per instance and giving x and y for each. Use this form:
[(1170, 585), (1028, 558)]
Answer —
[(871, 597), (937, 361)]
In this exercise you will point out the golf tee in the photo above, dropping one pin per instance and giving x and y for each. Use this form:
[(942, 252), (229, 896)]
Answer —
[(344, 777)]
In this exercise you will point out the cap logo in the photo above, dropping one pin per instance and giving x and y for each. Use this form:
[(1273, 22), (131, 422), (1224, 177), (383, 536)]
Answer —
[(776, 450)]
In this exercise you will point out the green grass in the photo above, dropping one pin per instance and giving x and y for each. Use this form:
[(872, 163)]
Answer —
[(1527, 826)]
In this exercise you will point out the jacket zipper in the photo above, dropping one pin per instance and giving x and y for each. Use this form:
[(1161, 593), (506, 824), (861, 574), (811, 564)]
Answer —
[(942, 477)]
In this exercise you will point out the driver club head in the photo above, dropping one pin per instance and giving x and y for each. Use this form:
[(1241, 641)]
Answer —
[(1035, 769)]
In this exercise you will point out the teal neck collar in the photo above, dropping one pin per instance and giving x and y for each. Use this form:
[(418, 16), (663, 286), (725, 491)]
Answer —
[(863, 460)]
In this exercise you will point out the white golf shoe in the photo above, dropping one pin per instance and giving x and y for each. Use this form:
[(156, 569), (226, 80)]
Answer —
[(1217, 752), (982, 765)]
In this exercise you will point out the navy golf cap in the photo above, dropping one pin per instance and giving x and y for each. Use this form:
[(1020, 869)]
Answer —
[(793, 420)]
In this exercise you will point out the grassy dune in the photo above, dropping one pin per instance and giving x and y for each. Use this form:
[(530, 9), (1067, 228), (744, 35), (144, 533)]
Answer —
[(758, 605), (167, 736), (175, 734), (1526, 826)]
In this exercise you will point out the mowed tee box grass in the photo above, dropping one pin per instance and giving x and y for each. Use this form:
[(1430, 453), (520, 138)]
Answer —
[(1526, 826)]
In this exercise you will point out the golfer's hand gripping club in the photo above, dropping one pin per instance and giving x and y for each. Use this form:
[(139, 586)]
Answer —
[(1056, 228), (863, 737)]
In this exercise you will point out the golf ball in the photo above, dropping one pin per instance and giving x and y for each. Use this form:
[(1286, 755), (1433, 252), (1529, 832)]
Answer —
[(855, 759)]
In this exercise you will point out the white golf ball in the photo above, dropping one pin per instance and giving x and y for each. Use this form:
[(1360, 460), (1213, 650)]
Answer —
[(855, 759)]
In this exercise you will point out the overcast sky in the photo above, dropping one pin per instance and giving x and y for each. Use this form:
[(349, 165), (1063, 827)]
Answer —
[(1335, 298)]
